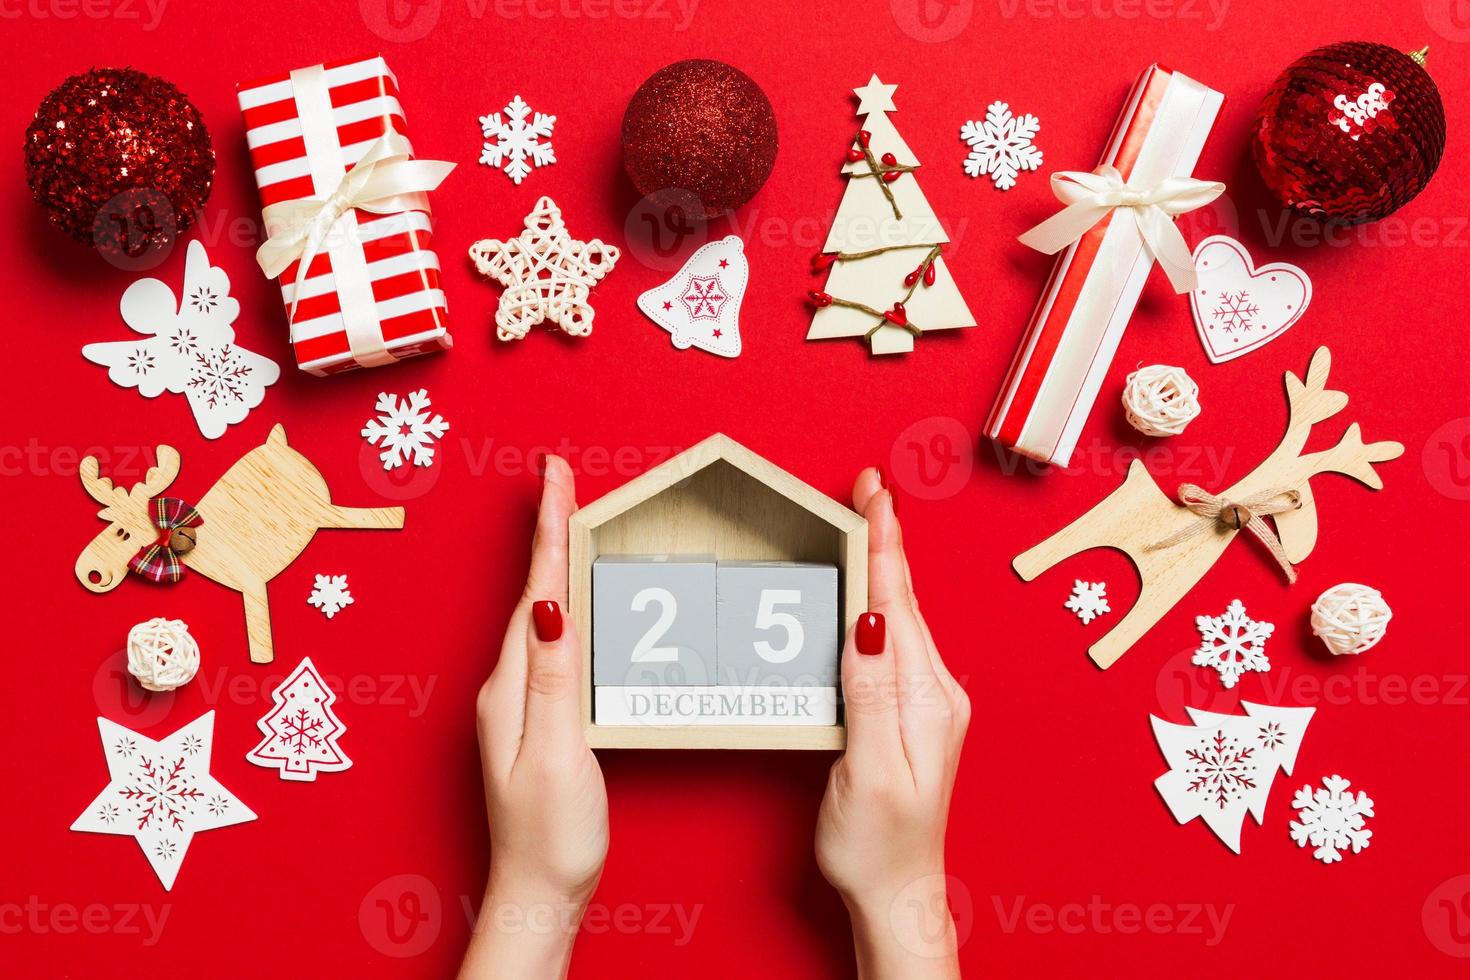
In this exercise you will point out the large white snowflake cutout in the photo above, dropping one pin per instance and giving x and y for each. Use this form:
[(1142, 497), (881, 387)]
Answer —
[(330, 594), (1232, 644), (161, 793), (1331, 819), (1089, 600), (404, 429), (517, 147), (1001, 145)]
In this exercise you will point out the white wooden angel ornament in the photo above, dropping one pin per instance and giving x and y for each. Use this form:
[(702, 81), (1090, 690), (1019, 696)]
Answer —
[(188, 347)]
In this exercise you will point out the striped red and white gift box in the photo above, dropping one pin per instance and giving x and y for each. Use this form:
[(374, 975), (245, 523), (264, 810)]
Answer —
[(1095, 283), (372, 295)]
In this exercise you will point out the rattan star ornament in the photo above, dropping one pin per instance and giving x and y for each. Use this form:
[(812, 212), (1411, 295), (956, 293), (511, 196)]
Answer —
[(546, 273)]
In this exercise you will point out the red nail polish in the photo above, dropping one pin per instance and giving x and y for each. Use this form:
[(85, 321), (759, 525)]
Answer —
[(546, 617), (882, 477), (872, 633)]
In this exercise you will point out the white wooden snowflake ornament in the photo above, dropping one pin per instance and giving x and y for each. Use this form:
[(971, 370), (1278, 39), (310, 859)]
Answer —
[(1232, 643), (1221, 767), (1330, 818), (1089, 600), (517, 146), (547, 274), (161, 793), (188, 347), (404, 429), (1000, 145), (330, 594)]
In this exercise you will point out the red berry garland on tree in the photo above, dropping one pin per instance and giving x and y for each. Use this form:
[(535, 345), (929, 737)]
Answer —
[(119, 160), (1350, 132)]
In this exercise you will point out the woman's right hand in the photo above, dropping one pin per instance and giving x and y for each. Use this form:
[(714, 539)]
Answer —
[(880, 832)]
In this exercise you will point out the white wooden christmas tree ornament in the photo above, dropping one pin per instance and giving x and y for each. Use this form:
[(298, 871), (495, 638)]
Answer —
[(1221, 767), (188, 347), (700, 306), (888, 282), (1350, 618)]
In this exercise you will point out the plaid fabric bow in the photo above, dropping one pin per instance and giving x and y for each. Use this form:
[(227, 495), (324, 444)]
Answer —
[(158, 562)]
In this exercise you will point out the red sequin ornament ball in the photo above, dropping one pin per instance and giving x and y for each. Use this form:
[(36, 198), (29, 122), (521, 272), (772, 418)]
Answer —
[(120, 160), (1350, 132), (700, 132)]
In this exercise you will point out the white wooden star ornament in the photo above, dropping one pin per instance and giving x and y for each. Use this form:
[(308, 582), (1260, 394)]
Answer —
[(547, 274), (161, 793)]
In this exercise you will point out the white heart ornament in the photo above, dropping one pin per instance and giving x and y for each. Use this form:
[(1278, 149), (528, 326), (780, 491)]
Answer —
[(1238, 307)]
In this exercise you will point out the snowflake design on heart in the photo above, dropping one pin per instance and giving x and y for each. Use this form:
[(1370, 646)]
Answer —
[(1331, 819), (1232, 643), (404, 429), (301, 731), (1236, 311), (704, 297), (219, 376), (1221, 769), (517, 146), (330, 594), (1088, 600), (1001, 145), (161, 792)]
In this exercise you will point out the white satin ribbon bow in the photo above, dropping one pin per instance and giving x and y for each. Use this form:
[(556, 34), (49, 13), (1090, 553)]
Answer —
[(384, 181), (1091, 197)]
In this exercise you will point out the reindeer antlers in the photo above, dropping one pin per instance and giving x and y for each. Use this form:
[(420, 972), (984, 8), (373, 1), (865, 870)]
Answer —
[(154, 482), (1313, 402)]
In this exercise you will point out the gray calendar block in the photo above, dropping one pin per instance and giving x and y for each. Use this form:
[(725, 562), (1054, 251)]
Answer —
[(778, 623), (653, 620)]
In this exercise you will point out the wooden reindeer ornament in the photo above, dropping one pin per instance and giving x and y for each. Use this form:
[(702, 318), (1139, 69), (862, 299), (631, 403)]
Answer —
[(1174, 543), (250, 525)]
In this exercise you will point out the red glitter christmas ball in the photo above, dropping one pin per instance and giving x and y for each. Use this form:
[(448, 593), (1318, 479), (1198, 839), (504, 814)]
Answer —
[(119, 160), (699, 128), (1350, 132)]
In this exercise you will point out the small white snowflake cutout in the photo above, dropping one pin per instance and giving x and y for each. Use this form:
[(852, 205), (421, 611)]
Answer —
[(404, 429), (1232, 644), (1001, 145), (330, 594), (1331, 819), (1088, 600), (517, 146)]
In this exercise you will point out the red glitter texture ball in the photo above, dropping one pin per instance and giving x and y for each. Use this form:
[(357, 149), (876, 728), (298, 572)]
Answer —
[(699, 128), (1350, 132), (119, 160)]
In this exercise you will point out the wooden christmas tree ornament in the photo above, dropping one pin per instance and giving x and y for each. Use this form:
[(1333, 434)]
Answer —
[(1173, 543), (246, 529)]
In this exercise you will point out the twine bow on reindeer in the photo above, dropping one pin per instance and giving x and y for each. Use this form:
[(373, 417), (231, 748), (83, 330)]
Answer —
[(1246, 514), (1091, 197), (159, 562)]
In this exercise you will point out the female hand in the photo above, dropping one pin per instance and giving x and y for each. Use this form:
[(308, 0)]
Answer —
[(543, 788), (880, 832)]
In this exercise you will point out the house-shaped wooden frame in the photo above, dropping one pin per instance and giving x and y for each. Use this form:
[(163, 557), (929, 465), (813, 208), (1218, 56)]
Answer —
[(717, 497)]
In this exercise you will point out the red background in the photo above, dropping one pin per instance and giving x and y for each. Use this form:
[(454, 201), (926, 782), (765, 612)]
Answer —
[(1055, 805)]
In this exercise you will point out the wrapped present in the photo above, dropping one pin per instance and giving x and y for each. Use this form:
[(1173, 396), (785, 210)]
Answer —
[(346, 212), (1117, 222)]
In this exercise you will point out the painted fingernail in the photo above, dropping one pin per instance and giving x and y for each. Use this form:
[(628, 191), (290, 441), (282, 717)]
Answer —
[(546, 616), (872, 633), (882, 477)]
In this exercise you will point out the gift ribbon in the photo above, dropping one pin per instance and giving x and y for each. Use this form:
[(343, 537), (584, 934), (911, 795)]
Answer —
[(1091, 197), (1245, 514), (159, 562), (386, 180)]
